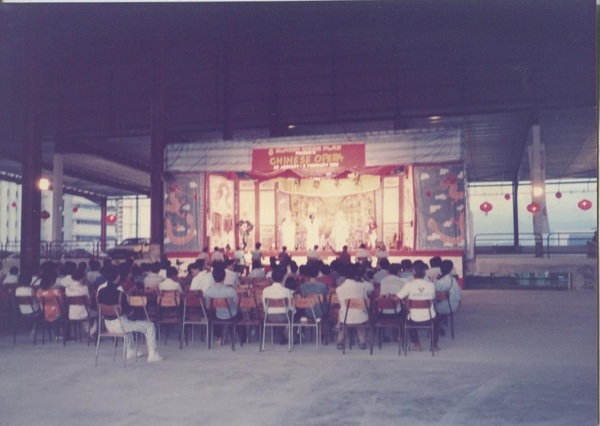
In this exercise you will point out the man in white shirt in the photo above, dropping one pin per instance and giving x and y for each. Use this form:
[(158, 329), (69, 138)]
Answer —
[(313, 254), (203, 279), (351, 288), (153, 279), (232, 279), (278, 291), (392, 284), (420, 289), (170, 283)]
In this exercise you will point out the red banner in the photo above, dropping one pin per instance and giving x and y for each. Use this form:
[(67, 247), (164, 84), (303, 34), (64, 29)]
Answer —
[(308, 160)]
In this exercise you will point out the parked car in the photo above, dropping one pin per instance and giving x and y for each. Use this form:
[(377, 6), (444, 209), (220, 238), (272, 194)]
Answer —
[(135, 247)]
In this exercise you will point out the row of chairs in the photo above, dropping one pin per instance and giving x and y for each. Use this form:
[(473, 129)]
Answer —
[(383, 313), (26, 309)]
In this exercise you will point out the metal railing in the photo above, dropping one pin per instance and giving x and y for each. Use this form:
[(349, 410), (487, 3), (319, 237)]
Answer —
[(533, 243)]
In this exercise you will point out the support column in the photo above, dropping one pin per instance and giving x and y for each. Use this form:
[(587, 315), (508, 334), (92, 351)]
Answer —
[(32, 172), (103, 211), (157, 141), (538, 188), (57, 197), (515, 205)]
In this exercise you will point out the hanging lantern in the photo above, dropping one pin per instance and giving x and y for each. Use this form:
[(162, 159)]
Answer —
[(111, 219), (584, 204), (507, 196), (533, 208), (558, 195), (486, 207), (75, 209), (428, 193), (14, 204), (44, 215)]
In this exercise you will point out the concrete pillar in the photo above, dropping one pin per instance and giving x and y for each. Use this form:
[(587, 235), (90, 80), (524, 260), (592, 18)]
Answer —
[(538, 188), (57, 197), (157, 141), (32, 172)]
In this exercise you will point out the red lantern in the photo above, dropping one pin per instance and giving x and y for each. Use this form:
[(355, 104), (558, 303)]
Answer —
[(111, 219), (428, 193), (44, 215), (507, 196), (558, 195), (533, 208), (14, 204), (486, 207), (584, 204), (75, 209)]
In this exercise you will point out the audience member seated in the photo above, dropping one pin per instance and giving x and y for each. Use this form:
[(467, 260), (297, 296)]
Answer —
[(278, 291), (257, 272), (78, 287), (420, 289), (434, 272), (232, 278), (314, 287), (153, 279), (313, 254), (447, 282), (381, 254), (52, 300), (219, 291), (382, 272), (13, 276), (362, 254), (170, 283), (352, 288), (111, 295)]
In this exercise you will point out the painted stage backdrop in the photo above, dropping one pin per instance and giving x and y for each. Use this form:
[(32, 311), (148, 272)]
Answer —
[(440, 207), (183, 210)]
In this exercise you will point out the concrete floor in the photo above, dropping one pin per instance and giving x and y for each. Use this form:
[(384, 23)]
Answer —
[(519, 358)]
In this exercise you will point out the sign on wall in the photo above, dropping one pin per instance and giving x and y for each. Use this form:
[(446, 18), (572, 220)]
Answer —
[(308, 160)]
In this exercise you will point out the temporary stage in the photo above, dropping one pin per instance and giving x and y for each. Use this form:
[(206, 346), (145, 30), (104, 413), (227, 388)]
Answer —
[(405, 189)]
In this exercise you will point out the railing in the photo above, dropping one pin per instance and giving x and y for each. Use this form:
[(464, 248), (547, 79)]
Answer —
[(58, 250), (568, 242), (504, 243), (533, 243)]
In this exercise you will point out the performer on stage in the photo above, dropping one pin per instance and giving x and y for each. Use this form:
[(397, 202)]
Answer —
[(340, 231), (288, 232), (312, 225)]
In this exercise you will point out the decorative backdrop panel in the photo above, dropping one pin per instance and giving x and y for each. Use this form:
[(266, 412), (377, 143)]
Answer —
[(440, 207), (184, 209)]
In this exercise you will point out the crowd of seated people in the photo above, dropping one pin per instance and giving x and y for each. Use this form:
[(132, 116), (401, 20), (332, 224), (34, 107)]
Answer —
[(281, 275)]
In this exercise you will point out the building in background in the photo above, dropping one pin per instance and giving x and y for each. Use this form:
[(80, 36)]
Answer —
[(81, 218)]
